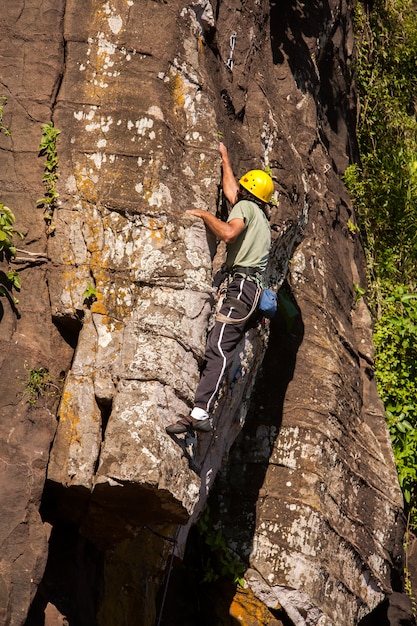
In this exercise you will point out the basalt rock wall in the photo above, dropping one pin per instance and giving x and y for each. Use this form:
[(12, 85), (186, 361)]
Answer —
[(117, 297)]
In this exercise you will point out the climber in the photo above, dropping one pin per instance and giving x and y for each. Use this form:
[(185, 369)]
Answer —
[(247, 235)]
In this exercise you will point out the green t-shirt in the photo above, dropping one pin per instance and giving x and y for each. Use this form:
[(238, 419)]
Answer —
[(251, 248)]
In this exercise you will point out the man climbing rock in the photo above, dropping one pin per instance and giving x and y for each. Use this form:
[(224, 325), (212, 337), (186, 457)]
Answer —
[(247, 236)]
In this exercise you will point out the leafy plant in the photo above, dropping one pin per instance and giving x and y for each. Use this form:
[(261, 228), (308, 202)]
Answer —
[(384, 184), (219, 560), (7, 232), (47, 148), (395, 339), (408, 588), (40, 384), (352, 227), (90, 295), (11, 280), (3, 128), (359, 292)]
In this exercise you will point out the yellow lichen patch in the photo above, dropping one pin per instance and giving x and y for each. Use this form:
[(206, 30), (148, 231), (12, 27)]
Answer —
[(73, 283), (114, 299), (69, 418), (86, 182), (177, 86), (112, 324), (148, 184), (249, 611), (157, 230), (99, 306)]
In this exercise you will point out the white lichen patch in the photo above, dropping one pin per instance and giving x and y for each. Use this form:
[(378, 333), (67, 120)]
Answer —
[(161, 196), (304, 532), (378, 564), (151, 456), (189, 98), (82, 115), (101, 83), (71, 184), (298, 266), (115, 23), (104, 335), (124, 298), (196, 136), (299, 570), (105, 47), (193, 492), (137, 245), (103, 124), (143, 125), (289, 450), (108, 62), (261, 552), (136, 416), (97, 158), (187, 171), (155, 112), (267, 140)]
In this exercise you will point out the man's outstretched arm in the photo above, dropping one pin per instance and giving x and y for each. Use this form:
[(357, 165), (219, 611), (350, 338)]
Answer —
[(226, 231), (230, 186)]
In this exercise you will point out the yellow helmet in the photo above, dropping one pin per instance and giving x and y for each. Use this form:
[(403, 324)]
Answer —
[(259, 183)]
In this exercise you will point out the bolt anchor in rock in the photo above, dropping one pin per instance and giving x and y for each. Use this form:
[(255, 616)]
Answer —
[(230, 61)]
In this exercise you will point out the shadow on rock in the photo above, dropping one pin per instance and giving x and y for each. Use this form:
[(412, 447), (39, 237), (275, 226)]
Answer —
[(202, 581)]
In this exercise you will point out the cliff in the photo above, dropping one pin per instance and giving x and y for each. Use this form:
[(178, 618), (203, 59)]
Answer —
[(117, 296)]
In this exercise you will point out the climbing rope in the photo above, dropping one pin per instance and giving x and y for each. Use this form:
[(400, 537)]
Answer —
[(174, 543), (230, 320)]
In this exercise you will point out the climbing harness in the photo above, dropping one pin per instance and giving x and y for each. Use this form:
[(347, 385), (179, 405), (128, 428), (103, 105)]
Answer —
[(265, 299), (240, 307), (230, 61)]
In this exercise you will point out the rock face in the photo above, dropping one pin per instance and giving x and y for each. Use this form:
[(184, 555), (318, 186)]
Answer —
[(141, 92)]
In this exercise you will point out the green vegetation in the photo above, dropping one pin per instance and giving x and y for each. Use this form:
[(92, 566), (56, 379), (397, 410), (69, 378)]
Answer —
[(395, 340), (7, 232), (40, 384), (385, 184), (47, 148), (90, 295), (218, 559), (384, 189), (359, 292), (11, 280), (3, 128), (352, 227)]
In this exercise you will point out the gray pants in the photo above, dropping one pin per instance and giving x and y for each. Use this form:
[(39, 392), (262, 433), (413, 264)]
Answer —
[(222, 342)]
